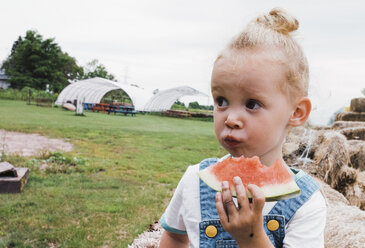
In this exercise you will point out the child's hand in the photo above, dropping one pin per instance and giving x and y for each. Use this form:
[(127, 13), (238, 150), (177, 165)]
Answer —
[(244, 223)]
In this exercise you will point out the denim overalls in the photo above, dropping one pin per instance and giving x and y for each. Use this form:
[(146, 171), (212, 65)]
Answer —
[(211, 230)]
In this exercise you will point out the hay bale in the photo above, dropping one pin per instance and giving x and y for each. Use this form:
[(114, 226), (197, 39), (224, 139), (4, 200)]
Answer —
[(333, 197), (355, 195), (357, 154), (338, 125), (350, 116), (331, 159), (327, 155), (296, 150), (357, 105), (354, 133), (344, 226), (150, 238), (361, 180)]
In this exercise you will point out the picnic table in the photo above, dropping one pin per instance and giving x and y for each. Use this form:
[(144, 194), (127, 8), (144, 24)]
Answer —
[(88, 106), (100, 107), (122, 110)]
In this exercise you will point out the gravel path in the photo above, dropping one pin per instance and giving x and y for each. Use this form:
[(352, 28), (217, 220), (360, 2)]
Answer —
[(30, 144)]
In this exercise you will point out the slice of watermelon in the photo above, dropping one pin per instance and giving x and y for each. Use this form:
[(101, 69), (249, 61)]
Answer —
[(275, 181)]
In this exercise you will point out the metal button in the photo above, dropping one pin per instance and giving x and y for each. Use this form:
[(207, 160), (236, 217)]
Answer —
[(211, 231), (273, 225)]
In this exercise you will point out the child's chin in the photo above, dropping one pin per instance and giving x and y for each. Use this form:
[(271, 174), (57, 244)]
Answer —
[(236, 154)]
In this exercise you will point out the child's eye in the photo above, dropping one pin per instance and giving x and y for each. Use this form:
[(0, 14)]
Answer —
[(222, 102), (252, 104)]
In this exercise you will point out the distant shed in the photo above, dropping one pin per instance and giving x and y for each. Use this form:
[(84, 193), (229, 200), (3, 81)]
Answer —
[(4, 80)]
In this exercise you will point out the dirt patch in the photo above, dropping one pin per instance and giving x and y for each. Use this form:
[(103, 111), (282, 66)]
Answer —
[(30, 144)]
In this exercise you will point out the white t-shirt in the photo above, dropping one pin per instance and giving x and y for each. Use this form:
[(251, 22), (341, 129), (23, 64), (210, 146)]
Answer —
[(305, 229)]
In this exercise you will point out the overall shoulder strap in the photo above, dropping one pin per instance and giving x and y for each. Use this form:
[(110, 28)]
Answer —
[(207, 195), (289, 207), (206, 162)]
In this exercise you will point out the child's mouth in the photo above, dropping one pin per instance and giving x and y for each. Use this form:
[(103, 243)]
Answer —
[(231, 142)]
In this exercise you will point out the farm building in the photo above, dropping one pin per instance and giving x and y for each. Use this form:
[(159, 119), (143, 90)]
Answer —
[(4, 84)]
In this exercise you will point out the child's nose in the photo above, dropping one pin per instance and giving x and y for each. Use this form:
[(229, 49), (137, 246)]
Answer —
[(233, 122)]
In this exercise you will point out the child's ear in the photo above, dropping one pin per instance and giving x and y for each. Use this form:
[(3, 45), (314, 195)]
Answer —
[(301, 112)]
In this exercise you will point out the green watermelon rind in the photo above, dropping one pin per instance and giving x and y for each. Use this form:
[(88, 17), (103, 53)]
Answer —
[(285, 191)]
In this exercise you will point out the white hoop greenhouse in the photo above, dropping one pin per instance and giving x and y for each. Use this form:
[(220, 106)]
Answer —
[(92, 91), (163, 100)]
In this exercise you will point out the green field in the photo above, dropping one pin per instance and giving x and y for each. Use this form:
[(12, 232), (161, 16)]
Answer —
[(130, 167)]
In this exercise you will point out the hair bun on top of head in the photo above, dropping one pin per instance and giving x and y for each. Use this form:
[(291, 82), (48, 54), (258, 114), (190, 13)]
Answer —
[(279, 20)]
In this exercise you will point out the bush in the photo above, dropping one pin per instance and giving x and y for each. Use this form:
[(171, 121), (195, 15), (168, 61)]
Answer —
[(23, 94), (10, 94), (57, 162), (176, 106), (196, 105)]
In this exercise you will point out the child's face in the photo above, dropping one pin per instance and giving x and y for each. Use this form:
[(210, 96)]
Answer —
[(251, 113)]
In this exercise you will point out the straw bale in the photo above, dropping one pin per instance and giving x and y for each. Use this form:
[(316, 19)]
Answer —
[(338, 125), (357, 104), (357, 154), (332, 159), (354, 133), (344, 226), (350, 116)]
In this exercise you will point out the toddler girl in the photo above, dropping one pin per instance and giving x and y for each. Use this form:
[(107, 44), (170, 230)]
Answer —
[(259, 85)]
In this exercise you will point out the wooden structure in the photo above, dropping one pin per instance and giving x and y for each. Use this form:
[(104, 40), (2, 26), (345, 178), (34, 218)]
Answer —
[(12, 180), (44, 102), (185, 114), (115, 108)]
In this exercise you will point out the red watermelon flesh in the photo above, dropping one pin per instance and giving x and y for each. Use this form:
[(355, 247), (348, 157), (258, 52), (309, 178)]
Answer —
[(275, 181)]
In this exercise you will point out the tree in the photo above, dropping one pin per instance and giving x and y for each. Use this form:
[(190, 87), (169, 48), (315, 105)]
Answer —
[(36, 63), (194, 105), (95, 69)]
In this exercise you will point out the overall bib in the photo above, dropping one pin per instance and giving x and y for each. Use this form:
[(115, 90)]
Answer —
[(212, 233)]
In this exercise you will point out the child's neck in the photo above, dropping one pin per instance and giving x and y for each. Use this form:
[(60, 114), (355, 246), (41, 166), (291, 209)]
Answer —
[(268, 159)]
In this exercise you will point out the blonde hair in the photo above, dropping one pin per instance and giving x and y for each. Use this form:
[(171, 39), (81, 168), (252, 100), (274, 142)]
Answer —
[(274, 31)]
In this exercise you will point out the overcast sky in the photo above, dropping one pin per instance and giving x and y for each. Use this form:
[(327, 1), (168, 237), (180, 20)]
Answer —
[(168, 43)]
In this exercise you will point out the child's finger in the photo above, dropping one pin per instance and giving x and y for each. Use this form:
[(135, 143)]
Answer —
[(220, 208), (258, 198), (228, 203), (242, 199)]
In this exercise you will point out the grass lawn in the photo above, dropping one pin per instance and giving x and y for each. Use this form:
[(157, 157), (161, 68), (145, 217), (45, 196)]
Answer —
[(132, 166)]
